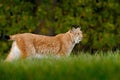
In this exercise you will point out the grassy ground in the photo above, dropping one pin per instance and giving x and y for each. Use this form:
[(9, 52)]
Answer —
[(81, 67)]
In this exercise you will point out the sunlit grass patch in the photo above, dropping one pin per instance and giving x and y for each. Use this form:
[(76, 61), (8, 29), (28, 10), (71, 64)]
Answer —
[(84, 66)]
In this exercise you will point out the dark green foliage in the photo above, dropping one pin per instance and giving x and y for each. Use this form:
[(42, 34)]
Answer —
[(99, 20)]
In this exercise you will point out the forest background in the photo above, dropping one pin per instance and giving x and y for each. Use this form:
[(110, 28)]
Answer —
[(99, 21)]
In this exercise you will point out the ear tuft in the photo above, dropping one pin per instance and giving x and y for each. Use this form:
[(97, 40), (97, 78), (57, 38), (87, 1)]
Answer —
[(78, 27)]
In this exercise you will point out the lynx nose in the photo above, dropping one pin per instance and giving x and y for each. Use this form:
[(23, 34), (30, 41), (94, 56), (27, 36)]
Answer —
[(81, 37)]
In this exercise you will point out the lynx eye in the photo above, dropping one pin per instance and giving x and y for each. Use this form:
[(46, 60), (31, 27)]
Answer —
[(78, 33)]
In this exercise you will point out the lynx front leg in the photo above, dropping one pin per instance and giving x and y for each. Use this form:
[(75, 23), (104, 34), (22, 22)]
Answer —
[(14, 53)]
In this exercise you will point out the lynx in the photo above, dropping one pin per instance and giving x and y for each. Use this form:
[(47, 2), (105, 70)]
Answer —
[(28, 44)]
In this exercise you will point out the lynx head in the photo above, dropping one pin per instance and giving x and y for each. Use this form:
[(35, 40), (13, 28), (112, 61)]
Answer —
[(76, 34)]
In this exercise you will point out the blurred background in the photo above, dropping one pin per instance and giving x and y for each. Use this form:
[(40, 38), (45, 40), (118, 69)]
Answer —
[(99, 21)]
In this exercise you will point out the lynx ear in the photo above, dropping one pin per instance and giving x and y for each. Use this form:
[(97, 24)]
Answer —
[(72, 30), (79, 28)]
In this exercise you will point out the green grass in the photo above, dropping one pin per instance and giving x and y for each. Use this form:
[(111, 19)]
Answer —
[(101, 66)]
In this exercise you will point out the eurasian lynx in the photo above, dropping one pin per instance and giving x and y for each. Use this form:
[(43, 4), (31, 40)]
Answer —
[(28, 44)]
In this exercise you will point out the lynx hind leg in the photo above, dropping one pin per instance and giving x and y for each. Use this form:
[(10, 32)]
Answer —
[(14, 53)]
